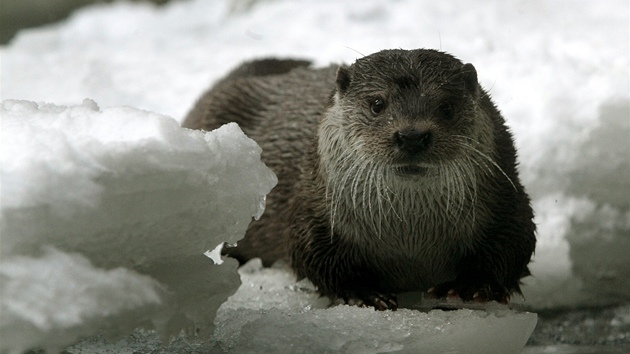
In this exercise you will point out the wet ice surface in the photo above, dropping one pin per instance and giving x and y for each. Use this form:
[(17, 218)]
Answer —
[(267, 294), (272, 313), (129, 201)]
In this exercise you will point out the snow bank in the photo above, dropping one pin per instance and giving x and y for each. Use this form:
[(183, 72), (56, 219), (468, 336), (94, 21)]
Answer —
[(582, 204), (125, 189)]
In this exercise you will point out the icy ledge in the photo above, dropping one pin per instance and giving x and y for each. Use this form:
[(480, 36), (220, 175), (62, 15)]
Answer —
[(270, 313), (105, 218)]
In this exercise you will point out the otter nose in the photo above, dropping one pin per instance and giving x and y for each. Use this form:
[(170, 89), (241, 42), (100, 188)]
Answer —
[(413, 140)]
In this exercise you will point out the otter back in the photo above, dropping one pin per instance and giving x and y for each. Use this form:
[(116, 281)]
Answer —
[(280, 111)]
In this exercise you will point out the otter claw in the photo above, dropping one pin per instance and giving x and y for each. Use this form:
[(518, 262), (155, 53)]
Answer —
[(453, 295), (479, 294), (380, 302)]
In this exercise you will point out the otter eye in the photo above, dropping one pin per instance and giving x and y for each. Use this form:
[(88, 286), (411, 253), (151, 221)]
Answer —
[(446, 110), (377, 105)]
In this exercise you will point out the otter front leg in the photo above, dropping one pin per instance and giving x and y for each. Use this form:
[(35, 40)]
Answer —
[(337, 268), (338, 278), (485, 276), (472, 291)]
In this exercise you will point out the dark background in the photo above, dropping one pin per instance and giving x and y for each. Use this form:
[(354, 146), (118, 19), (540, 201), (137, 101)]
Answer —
[(18, 14)]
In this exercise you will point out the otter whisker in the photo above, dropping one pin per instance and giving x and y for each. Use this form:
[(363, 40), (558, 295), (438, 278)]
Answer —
[(392, 197), (351, 179), (331, 205), (377, 177), (457, 190), (445, 171), (472, 178), (343, 170), (488, 159), (461, 189), (367, 193), (365, 197)]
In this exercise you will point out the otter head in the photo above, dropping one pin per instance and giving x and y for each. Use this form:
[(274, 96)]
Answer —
[(405, 135), (408, 111)]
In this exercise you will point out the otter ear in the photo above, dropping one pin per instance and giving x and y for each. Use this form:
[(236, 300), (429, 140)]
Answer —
[(343, 78), (470, 79)]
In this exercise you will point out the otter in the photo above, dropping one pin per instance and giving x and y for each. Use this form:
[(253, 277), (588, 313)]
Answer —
[(396, 173)]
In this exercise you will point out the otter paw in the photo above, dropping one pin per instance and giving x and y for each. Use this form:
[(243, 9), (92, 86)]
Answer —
[(479, 293), (380, 301), (492, 293), (451, 294)]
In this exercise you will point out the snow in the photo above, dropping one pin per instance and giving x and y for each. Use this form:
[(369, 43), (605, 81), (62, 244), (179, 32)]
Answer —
[(123, 203)]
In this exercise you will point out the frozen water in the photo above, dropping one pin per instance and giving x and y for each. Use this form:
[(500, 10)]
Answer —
[(272, 313), (50, 301), (123, 187)]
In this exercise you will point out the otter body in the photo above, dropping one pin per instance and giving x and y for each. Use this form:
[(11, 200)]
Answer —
[(396, 173)]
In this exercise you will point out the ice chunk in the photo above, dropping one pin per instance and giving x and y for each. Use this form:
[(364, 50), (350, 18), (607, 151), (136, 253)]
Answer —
[(50, 301), (215, 254), (125, 188), (272, 313)]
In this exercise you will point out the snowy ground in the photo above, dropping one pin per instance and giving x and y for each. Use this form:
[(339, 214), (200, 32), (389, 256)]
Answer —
[(108, 206)]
